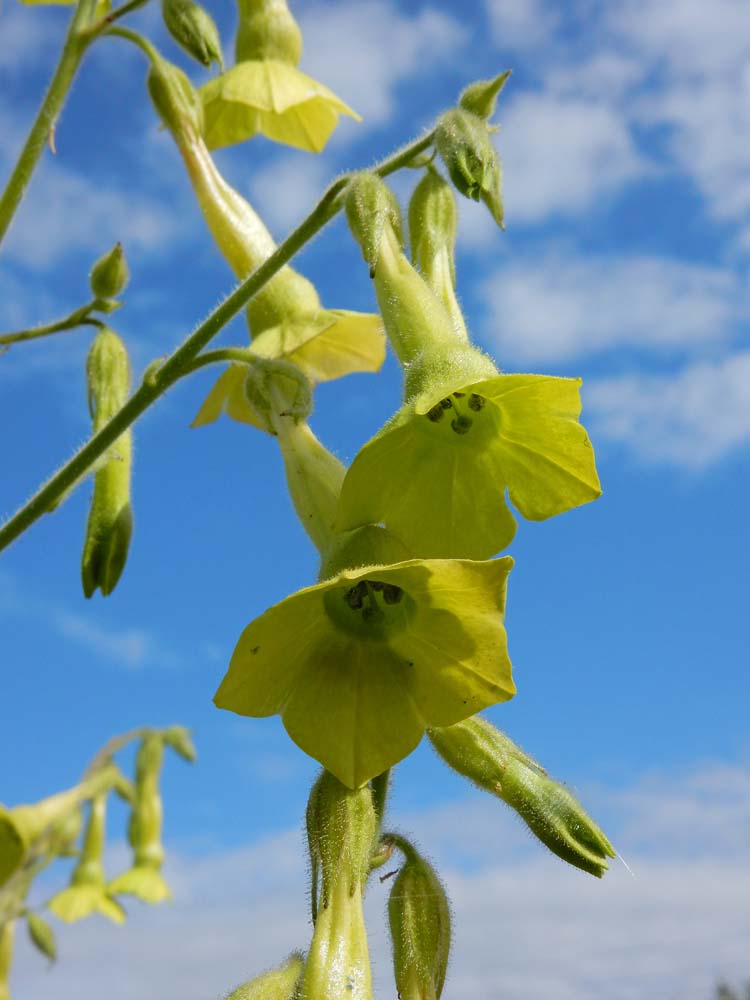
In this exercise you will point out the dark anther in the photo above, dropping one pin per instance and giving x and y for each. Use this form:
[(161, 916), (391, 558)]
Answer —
[(376, 585), (372, 270), (392, 594), (476, 402), (353, 597), (459, 395), (435, 414), (446, 404), (461, 424), (372, 615)]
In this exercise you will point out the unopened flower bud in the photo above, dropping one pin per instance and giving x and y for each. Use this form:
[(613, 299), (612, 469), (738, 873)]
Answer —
[(276, 984), (267, 30), (193, 28), (432, 234), (42, 936), (420, 921), (178, 738), (491, 760), (371, 209), (110, 274), (463, 141), (174, 98), (110, 521), (480, 97)]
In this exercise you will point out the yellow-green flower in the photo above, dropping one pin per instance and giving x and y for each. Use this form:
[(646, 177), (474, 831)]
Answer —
[(437, 472), (272, 98), (88, 892), (359, 665)]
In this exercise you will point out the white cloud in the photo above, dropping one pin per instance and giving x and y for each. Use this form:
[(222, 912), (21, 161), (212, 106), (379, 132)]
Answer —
[(692, 418), (564, 305), (287, 188), (28, 34), (364, 50), (65, 212), (526, 925), (522, 24)]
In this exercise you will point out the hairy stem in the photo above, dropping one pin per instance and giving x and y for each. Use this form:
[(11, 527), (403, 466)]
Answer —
[(79, 317)]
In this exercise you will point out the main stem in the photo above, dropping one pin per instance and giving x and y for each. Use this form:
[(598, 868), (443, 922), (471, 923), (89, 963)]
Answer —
[(156, 382), (76, 43)]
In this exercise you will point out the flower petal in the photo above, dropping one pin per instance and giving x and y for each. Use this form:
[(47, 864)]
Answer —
[(75, 902), (227, 395), (142, 882), (544, 451)]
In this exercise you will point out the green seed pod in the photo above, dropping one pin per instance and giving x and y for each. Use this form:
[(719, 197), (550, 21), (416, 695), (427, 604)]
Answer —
[(193, 28), (110, 274), (178, 738), (372, 208), (110, 521), (420, 921), (276, 984), (480, 97), (432, 233), (42, 935), (267, 30), (487, 757), (463, 141)]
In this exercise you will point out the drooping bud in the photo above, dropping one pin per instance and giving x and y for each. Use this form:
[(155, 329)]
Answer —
[(193, 28), (276, 984), (267, 30), (463, 141), (371, 210), (342, 827), (110, 521), (110, 274), (42, 936), (420, 921), (491, 760), (178, 738), (480, 97), (174, 98), (432, 234), (414, 317)]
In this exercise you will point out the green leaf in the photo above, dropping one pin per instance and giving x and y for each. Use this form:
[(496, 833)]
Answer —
[(357, 693)]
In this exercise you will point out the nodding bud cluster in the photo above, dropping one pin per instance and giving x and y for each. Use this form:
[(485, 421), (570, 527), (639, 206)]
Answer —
[(276, 984), (480, 97), (42, 936), (491, 760), (432, 235), (463, 140), (193, 28), (341, 831), (174, 98), (110, 521), (420, 921), (178, 739), (267, 30), (372, 210), (110, 274)]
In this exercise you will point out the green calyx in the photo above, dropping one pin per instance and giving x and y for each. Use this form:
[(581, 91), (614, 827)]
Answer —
[(279, 983), (371, 210), (491, 760), (463, 140), (278, 392), (193, 28), (173, 96), (110, 274), (480, 97), (267, 30)]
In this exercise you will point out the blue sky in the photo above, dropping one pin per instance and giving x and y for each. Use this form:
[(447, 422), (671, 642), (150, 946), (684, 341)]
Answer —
[(624, 144)]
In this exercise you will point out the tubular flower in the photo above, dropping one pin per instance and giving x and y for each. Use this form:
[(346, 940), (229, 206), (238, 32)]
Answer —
[(144, 879), (88, 892), (265, 92), (465, 434), (360, 664)]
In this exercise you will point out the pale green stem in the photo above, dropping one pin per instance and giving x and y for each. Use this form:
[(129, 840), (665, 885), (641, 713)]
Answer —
[(79, 317), (160, 378), (76, 42)]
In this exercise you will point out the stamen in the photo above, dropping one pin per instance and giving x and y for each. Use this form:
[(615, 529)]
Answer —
[(435, 414), (446, 403), (461, 424), (392, 594), (476, 402), (376, 585), (459, 395), (354, 597)]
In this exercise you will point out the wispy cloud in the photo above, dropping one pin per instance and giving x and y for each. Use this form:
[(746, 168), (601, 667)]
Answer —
[(526, 925), (691, 418)]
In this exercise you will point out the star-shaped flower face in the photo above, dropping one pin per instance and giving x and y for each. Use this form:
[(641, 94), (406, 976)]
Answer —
[(274, 98), (436, 474), (88, 893), (144, 881), (360, 665)]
